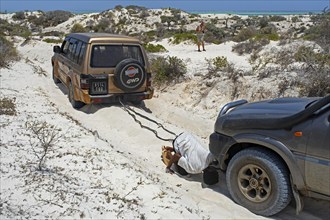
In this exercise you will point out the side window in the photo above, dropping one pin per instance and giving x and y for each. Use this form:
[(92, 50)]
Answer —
[(65, 46), (76, 55), (82, 53), (72, 48)]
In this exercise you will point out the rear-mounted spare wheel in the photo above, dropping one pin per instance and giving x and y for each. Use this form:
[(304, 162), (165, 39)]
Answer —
[(129, 75)]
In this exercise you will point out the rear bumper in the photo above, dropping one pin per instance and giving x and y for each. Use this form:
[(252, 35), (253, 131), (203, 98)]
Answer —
[(110, 98), (219, 145), (86, 98)]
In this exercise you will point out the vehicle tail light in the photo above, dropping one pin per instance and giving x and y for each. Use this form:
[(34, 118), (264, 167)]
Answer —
[(84, 81)]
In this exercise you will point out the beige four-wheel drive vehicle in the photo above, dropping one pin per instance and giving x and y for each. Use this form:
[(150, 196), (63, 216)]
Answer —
[(102, 68)]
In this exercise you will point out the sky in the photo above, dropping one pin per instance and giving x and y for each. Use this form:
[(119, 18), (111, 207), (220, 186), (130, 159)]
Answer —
[(202, 6)]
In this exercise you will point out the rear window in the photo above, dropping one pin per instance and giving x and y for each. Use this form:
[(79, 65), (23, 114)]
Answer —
[(111, 55)]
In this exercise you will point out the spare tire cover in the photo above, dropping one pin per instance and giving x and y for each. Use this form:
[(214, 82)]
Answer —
[(129, 75)]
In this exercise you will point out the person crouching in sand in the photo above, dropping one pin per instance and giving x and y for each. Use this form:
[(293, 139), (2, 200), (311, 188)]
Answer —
[(190, 157)]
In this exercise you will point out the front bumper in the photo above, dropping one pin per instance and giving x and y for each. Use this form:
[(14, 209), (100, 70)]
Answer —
[(219, 145)]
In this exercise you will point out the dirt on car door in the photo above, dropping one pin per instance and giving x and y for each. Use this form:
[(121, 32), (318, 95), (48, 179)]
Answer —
[(317, 163)]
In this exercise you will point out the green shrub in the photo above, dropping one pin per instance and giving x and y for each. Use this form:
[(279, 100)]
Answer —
[(181, 37), (14, 29), (307, 55), (245, 34), (295, 19), (53, 33), (154, 48), (320, 31), (273, 37), (250, 46), (220, 62), (167, 69), (276, 18), (53, 18), (102, 26), (20, 15), (8, 52), (78, 28), (214, 34), (52, 41), (263, 22), (7, 106), (216, 64), (316, 82)]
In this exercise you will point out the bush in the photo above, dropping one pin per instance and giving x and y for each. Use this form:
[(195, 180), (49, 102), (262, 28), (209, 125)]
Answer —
[(320, 31), (20, 15), (154, 48), (103, 25), (167, 69), (7, 106), (14, 29), (214, 34), (220, 62), (253, 45), (7, 52), (273, 37), (245, 34), (307, 55), (316, 82), (263, 22), (52, 41), (53, 33), (78, 28), (181, 37), (277, 18), (216, 64), (295, 19), (53, 18)]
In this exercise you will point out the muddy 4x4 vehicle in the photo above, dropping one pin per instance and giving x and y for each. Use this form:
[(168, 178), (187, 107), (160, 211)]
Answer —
[(100, 68), (274, 149)]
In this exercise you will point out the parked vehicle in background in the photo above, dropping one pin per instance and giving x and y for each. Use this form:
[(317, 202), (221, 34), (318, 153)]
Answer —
[(101, 68), (274, 149)]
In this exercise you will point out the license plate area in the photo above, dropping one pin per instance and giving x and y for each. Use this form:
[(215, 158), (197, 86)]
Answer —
[(98, 86)]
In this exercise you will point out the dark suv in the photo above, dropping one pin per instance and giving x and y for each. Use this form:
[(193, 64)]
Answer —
[(274, 149)]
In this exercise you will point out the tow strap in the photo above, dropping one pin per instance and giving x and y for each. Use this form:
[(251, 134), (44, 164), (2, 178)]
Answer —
[(133, 113)]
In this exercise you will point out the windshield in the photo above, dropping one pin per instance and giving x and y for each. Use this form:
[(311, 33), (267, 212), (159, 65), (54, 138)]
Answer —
[(111, 55)]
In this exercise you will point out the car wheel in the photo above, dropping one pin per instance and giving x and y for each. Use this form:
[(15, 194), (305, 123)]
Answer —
[(55, 79), (129, 75), (258, 180), (75, 104)]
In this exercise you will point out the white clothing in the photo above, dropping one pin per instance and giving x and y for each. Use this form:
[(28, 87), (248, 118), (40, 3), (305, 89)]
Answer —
[(194, 157)]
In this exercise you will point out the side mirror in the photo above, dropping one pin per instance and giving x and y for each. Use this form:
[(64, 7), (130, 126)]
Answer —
[(56, 49)]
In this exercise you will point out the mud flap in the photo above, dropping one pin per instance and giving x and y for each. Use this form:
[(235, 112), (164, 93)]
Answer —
[(297, 198)]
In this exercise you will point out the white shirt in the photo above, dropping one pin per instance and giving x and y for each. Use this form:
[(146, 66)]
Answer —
[(194, 157)]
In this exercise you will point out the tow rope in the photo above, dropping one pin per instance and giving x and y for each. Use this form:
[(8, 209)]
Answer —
[(133, 113)]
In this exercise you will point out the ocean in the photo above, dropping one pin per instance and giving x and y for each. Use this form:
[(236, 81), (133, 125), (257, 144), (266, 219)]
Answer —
[(256, 13)]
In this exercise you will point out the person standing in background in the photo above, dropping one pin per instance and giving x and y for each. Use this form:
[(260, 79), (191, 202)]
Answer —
[(200, 30)]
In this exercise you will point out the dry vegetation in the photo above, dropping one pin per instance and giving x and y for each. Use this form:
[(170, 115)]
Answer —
[(252, 35)]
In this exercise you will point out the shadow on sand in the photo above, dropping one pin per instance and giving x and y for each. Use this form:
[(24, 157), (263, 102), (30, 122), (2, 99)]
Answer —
[(313, 208)]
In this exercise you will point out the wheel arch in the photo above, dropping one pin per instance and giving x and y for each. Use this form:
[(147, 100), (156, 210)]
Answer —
[(252, 140)]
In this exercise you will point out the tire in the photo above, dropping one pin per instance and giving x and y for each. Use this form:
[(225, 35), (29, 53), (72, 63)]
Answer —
[(129, 75), (55, 79), (75, 104), (258, 180)]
